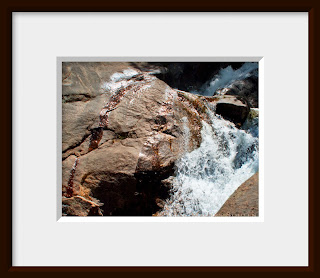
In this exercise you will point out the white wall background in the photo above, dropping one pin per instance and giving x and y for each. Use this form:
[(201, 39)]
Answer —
[(280, 38)]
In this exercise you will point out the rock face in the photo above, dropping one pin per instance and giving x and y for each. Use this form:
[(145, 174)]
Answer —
[(122, 131), (244, 201)]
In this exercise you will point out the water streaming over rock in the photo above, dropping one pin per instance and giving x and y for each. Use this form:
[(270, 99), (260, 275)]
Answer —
[(207, 176)]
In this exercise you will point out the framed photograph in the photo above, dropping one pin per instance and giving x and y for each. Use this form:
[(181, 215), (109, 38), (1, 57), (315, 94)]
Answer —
[(160, 138), (160, 141)]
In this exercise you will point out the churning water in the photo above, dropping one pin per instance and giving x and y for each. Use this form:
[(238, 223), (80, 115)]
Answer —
[(227, 76), (207, 176)]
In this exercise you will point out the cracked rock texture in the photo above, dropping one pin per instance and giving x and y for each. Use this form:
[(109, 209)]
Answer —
[(126, 128)]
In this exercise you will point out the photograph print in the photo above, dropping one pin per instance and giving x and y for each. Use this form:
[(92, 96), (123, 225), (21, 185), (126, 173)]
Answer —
[(160, 139)]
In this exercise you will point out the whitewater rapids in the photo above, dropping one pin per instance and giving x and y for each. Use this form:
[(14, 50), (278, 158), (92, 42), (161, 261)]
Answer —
[(206, 177)]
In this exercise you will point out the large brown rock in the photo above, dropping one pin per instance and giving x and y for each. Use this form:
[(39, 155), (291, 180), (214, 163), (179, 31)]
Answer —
[(244, 201), (126, 138)]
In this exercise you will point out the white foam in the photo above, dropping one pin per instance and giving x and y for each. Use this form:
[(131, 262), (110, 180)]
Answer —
[(207, 176)]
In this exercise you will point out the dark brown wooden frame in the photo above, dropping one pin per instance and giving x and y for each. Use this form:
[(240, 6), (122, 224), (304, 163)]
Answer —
[(8, 7)]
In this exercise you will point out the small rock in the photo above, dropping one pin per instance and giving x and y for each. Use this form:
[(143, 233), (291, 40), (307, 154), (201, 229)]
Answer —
[(233, 109)]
